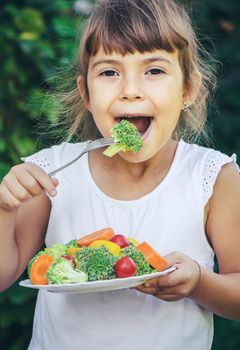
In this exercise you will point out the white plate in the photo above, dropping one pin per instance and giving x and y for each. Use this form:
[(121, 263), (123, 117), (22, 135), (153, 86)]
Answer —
[(96, 286)]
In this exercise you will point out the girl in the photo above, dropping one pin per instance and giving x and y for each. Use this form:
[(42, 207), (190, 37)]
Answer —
[(138, 60)]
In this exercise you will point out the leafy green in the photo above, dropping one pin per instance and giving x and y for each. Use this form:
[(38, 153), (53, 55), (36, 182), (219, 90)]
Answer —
[(126, 138), (98, 263), (62, 271), (56, 250)]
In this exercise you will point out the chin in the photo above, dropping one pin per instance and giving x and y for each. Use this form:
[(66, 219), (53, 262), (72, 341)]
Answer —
[(139, 157)]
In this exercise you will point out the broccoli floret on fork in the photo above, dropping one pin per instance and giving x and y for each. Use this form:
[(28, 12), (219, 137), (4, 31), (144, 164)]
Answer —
[(126, 138)]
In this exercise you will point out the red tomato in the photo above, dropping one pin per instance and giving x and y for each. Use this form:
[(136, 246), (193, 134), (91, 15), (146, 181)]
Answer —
[(70, 258), (125, 267), (121, 240)]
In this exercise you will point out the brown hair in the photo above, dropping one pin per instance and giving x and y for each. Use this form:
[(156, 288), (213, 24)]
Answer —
[(125, 26)]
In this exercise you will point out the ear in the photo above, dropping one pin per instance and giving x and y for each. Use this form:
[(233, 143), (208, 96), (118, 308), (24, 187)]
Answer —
[(192, 89), (82, 91)]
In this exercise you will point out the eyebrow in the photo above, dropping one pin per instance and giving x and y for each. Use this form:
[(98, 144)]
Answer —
[(147, 60), (101, 61), (157, 58)]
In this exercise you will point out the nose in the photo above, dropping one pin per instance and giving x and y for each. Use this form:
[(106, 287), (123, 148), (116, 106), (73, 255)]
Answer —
[(131, 89)]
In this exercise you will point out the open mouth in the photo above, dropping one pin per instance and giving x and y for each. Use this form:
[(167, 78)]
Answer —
[(142, 123)]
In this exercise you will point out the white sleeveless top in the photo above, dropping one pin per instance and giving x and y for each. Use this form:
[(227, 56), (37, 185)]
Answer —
[(170, 218)]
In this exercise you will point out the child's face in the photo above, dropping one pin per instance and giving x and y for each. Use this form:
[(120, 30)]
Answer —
[(148, 86)]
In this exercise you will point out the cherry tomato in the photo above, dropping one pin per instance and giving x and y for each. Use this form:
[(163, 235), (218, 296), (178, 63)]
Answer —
[(121, 240), (125, 267)]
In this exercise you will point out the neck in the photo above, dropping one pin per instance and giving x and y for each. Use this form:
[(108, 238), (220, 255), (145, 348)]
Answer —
[(124, 180), (161, 161)]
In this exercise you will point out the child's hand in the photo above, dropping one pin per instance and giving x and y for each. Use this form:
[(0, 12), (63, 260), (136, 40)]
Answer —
[(24, 182), (177, 284)]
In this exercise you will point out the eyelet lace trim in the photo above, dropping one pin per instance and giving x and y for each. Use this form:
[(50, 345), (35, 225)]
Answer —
[(44, 159), (213, 164)]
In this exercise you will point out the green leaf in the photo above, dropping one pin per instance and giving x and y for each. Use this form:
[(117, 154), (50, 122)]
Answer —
[(64, 27), (29, 20)]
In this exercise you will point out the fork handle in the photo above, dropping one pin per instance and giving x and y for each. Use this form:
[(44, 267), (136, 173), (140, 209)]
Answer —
[(54, 172), (91, 145)]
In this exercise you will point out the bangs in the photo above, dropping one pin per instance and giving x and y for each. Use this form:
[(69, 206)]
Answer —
[(128, 26)]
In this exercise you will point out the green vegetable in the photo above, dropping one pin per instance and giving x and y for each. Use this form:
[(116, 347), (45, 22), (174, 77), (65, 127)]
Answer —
[(126, 138), (98, 263), (56, 250), (62, 271), (72, 244), (143, 266)]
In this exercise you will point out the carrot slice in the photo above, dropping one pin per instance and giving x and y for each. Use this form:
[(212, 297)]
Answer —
[(39, 269), (153, 258), (105, 233)]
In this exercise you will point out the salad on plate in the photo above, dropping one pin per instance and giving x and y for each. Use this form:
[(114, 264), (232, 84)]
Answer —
[(99, 256)]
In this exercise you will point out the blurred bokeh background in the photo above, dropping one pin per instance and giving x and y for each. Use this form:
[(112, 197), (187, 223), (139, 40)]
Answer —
[(37, 39)]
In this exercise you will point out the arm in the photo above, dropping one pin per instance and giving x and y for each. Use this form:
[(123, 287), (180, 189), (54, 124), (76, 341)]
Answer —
[(218, 293), (24, 213)]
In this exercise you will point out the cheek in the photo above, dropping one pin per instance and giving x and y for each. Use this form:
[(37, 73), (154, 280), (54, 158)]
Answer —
[(170, 96), (93, 96), (98, 98)]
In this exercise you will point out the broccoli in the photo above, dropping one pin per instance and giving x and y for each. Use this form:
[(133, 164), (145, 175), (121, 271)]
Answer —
[(98, 263), (56, 250), (62, 271), (126, 138), (72, 244), (143, 266)]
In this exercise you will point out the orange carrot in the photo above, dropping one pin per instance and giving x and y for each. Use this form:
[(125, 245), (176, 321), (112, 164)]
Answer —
[(39, 269), (153, 258), (105, 233)]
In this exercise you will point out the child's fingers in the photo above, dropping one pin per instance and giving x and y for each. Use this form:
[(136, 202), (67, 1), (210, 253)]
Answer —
[(30, 183), (173, 279), (164, 293), (17, 189), (23, 182), (146, 290), (54, 181), (39, 175), (7, 200), (160, 292), (44, 180)]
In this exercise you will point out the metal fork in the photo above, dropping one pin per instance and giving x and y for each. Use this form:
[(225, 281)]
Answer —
[(91, 145)]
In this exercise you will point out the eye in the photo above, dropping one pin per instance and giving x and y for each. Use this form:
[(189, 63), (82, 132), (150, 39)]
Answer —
[(109, 73), (155, 71)]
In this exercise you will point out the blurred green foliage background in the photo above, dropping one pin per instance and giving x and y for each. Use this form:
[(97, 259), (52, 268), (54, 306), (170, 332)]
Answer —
[(37, 37)]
